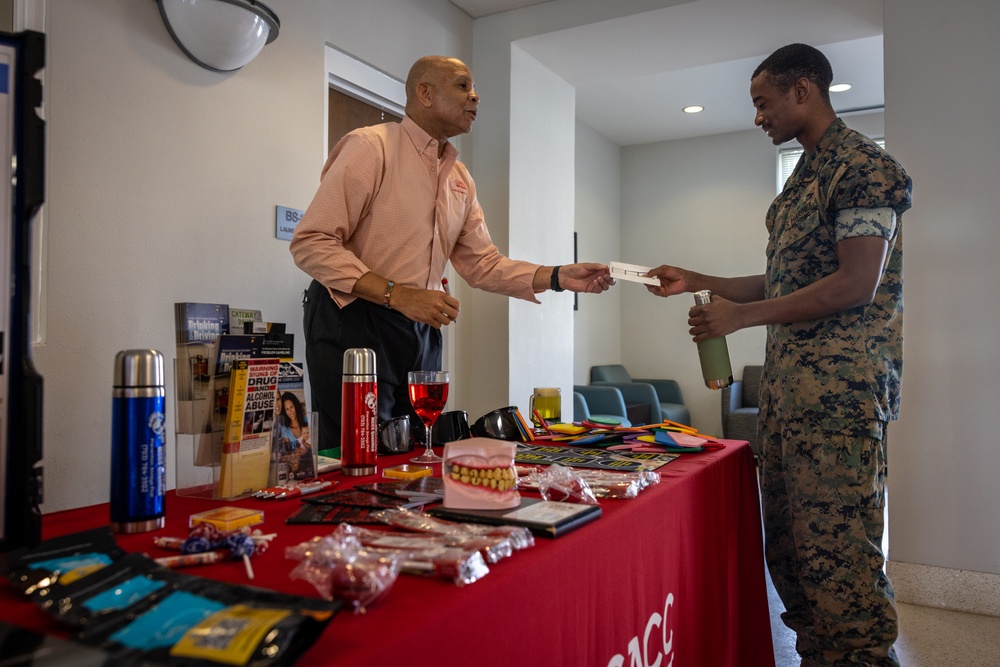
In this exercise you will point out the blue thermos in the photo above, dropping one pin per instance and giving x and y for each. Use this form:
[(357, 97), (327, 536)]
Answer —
[(138, 450)]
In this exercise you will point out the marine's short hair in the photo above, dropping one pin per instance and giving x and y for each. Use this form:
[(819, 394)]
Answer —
[(790, 63)]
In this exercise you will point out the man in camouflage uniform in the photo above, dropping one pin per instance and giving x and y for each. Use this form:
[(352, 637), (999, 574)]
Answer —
[(831, 299)]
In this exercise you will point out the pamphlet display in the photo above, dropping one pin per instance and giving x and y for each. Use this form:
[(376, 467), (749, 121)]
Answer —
[(246, 452), (229, 390), (295, 432), (197, 327)]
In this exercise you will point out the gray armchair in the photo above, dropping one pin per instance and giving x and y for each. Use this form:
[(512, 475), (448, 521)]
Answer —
[(601, 402), (664, 396), (740, 407)]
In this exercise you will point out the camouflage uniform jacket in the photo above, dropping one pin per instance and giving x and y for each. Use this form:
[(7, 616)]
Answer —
[(842, 370)]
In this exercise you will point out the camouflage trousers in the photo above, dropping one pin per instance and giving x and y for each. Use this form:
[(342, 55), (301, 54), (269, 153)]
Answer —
[(823, 502)]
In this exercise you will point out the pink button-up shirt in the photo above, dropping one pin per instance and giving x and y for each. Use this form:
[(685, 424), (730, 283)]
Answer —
[(388, 205)]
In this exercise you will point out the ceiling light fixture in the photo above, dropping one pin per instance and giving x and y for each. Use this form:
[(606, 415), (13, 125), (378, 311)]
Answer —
[(840, 87), (694, 108), (220, 35)]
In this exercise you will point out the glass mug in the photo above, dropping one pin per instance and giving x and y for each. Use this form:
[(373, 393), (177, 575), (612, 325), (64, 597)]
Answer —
[(546, 403)]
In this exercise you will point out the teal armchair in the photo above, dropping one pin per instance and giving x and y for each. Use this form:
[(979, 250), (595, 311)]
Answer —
[(740, 407), (664, 396), (602, 402)]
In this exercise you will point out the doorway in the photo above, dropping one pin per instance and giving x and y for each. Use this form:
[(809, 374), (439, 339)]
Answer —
[(348, 113)]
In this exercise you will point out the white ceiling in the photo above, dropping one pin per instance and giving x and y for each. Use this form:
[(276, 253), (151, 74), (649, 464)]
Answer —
[(634, 74)]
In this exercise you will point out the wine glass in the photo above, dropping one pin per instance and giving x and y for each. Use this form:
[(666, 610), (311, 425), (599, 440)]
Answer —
[(428, 394)]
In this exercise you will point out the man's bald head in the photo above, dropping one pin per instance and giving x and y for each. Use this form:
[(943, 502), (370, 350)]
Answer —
[(428, 70)]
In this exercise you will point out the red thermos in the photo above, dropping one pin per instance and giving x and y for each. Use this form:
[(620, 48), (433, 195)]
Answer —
[(359, 413)]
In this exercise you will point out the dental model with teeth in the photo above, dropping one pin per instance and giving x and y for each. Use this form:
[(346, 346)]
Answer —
[(479, 473)]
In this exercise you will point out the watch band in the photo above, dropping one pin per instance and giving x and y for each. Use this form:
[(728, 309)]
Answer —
[(554, 283), (388, 293)]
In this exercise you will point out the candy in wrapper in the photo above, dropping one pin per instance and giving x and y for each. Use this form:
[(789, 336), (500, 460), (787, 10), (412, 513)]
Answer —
[(460, 566), (191, 560), (492, 548), (227, 518), (518, 536), (339, 568), (565, 485)]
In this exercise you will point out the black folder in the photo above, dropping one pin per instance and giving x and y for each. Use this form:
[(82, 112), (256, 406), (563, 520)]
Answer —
[(547, 518)]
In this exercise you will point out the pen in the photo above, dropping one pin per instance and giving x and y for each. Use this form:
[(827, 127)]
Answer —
[(444, 284), (302, 490)]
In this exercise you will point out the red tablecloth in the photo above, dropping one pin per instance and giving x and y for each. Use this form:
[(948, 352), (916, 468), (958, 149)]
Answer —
[(676, 574)]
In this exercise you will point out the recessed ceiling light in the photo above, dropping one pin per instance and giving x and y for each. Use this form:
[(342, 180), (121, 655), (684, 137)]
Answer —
[(694, 108), (840, 87)]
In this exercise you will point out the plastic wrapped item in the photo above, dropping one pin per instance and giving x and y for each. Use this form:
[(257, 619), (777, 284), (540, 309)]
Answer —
[(460, 566), (131, 582), (26, 648), (612, 484), (199, 621), (140, 614), (339, 567), (61, 560), (323, 557), (227, 518), (606, 483), (519, 536), (207, 544), (565, 485), (493, 548)]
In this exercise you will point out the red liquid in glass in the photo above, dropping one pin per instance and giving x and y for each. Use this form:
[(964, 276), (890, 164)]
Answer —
[(428, 400)]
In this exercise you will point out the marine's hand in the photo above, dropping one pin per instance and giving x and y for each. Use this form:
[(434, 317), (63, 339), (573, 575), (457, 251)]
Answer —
[(428, 306), (719, 318), (586, 277), (673, 280)]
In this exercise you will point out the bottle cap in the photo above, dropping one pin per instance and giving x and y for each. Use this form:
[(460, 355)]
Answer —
[(702, 297), (138, 368), (359, 361)]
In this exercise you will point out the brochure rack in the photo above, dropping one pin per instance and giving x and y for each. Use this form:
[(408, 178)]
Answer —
[(197, 466)]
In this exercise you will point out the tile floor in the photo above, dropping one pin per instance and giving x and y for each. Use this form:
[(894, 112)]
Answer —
[(928, 637)]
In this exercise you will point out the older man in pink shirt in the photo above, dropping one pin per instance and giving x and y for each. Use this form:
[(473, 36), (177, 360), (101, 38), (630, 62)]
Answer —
[(394, 206)]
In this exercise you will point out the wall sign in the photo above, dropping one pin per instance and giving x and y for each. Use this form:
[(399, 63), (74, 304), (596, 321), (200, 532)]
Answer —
[(285, 220)]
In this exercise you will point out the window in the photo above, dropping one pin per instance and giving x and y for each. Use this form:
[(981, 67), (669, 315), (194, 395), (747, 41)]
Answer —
[(789, 157)]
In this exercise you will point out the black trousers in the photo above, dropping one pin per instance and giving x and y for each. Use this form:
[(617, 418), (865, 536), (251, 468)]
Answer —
[(400, 344)]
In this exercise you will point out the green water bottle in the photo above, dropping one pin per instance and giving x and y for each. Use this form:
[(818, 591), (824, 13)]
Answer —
[(713, 353)]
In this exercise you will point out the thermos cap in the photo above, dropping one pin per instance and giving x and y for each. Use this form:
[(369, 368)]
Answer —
[(138, 368), (703, 297), (359, 361)]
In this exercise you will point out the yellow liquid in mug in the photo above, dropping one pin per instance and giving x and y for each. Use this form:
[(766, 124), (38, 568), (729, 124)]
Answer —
[(548, 404)]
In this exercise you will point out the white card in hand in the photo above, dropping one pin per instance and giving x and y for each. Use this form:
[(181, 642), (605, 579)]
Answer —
[(632, 272)]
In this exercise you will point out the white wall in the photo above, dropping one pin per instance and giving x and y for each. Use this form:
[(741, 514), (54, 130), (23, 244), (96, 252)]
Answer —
[(488, 334), (940, 122), (542, 109), (162, 183), (699, 204), (598, 326)]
